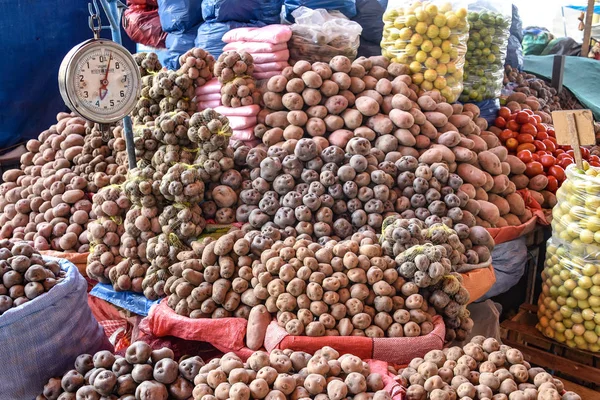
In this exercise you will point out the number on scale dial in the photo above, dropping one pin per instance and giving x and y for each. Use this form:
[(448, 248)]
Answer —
[(103, 80)]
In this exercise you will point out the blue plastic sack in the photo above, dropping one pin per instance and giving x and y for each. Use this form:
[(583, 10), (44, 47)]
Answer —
[(488, 109), (210, 34), (42, 338), (509, 260), (514, 51), (369, 14), (178, 16), (346, 7), (135, 302), (177, 44), (267, 11)]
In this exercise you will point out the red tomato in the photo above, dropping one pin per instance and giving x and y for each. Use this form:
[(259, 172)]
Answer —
[(552, 184), (538, 119), (547, 160), (550, 146), (595, 164), (539, 145), (563, 155), (540, 127), (500, 122), (535, 157), (525, 156), (528, 111), (532, 121), (541, 136), (512, 144), (551, 132), (504, 112), (585, 152), (526, 146), (534, 168), (558, 172), (506, 134), (571, 153), (522, 117), (525, 138), (565, 162), (513, 125), (557, 152), (553, 139), (594, 158), (528, 128)]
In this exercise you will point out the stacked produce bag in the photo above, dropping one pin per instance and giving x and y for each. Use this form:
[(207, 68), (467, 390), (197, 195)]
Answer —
[(431, 42), (268, 47), (209, 95), (569, 306), (486, 52), (180, 19)]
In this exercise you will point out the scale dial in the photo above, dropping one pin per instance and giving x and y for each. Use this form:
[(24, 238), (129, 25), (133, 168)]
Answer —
[(100, 81)]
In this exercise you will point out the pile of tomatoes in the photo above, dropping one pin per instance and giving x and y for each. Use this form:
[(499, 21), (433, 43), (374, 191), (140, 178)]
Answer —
[(534, 143)]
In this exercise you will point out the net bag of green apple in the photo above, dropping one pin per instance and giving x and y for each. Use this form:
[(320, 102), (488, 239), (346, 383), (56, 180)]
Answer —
[(430, 38), (489, 29), (569, 305)]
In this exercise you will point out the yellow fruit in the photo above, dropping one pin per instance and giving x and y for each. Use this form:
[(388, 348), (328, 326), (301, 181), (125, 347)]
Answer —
[(421, 28), (446, 46), (441, 69), (430, 75), (447, 92), (405, 33), (421, 15), (399, 23), (415, 66), (444, 32), (444, 58), (586, 236), (439, 83), (454, 40), (451, 67), (417, 78), (421, 56), (452, 21), (431, 63), (585, 282), (411, 21), (453, 53), (439, 20), (436, 52), (427, 46), (426, 86), (433, 31), (461, 13), (411, 50), (580, 293), (431, 9), (402, 58), (416, 39), (437, 42)]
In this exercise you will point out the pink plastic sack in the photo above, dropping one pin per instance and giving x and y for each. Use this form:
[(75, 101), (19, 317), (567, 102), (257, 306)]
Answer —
[(265, 75), (243, 134), (240, 123), (255, 47), (272, 66), (203, 105), (398, 351), (262, 58), (245, 111), (269, 34), (208, 97), (226, 334), (212, 86)]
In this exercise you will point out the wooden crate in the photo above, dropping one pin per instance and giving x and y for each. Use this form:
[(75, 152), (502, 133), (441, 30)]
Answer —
[(580, 370)]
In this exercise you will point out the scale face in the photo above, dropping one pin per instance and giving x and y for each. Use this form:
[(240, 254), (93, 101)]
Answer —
[(99, 80)]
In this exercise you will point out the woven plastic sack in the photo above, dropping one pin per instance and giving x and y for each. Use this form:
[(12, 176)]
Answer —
[(489, 108), (320, 35), (142, 24), (535, 40), (346, 7), (514, 51), (178, 16), (486, 50), (177, 44), (226, 334), (393, 350), (42, 338), (510, 259), (267, 11), (431, 40), (569, 305), (79, 259), (209, 35)]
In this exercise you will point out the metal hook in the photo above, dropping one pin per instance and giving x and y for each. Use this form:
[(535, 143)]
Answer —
[(95, 21)]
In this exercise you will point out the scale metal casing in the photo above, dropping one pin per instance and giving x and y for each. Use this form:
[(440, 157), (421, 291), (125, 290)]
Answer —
[(110, 74)]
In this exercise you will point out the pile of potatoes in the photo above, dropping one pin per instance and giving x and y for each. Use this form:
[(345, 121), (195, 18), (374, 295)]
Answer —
[(234, 70), (97, 161), (287, 374), (24, 274), (198, 65), (171, 128), (44, 199), (142, 187), (147, 62), (482, 369), (183, 221), (182, 184), (141, 224), (373, 99), (168, 154), (128, 275), (144, 142), (141, 374)]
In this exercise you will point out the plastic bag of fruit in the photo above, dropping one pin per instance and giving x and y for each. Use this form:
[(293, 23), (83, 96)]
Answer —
[(431, 39), (489, 29), (569, 305)]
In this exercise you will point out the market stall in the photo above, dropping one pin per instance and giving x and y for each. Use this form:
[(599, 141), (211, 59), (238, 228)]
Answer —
[(262, 213)]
